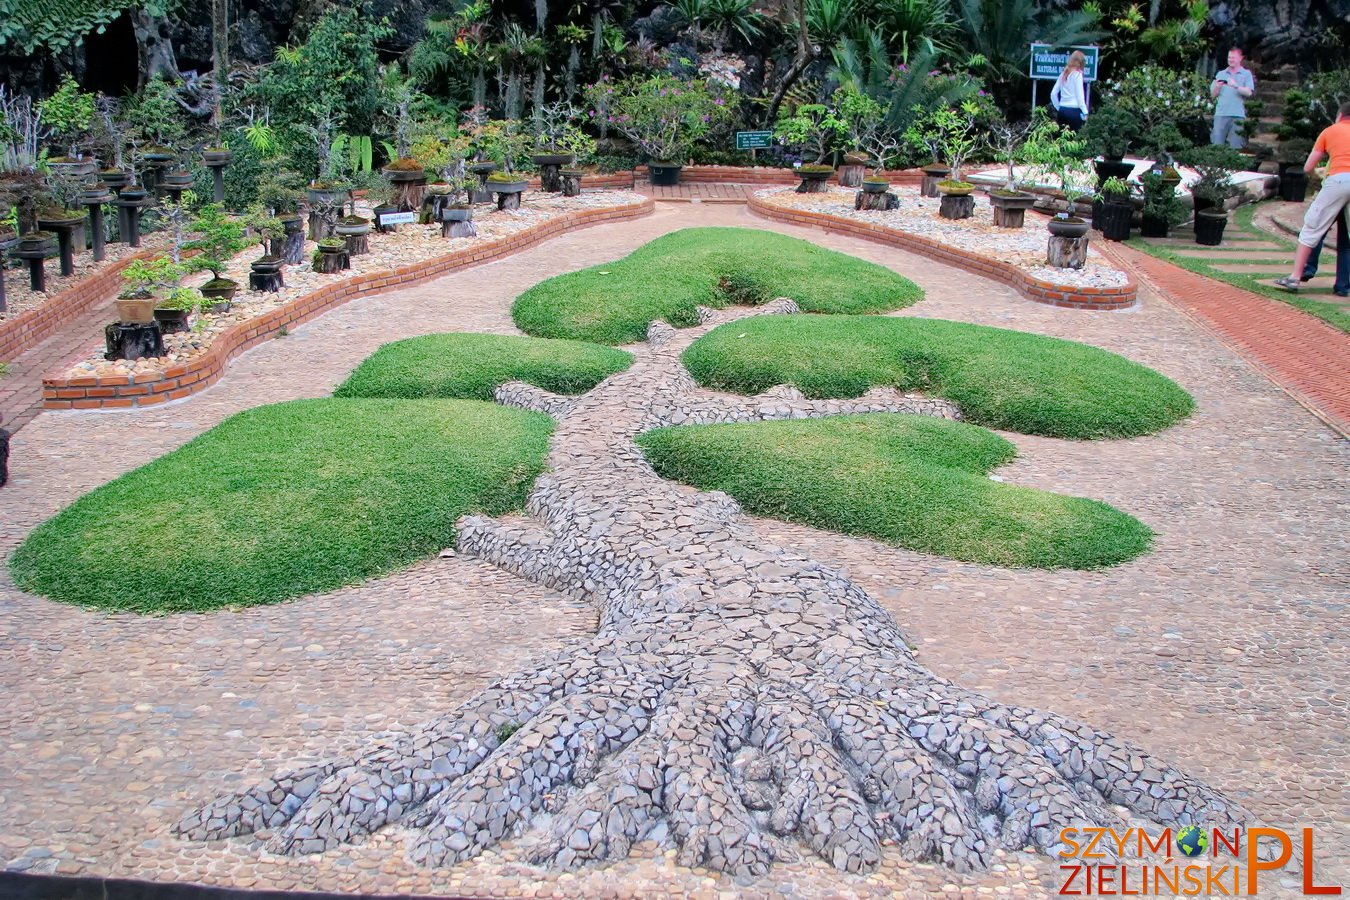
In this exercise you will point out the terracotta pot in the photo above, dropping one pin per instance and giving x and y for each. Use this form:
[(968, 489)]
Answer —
[(136, 310)]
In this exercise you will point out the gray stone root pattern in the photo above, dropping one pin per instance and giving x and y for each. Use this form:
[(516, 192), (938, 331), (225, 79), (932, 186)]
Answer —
[(740, 701)]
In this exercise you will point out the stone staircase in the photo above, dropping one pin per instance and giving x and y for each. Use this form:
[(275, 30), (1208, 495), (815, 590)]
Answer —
[(1270, 88)]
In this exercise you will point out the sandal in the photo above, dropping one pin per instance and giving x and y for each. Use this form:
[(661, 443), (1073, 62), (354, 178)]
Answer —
[(1289, 284)]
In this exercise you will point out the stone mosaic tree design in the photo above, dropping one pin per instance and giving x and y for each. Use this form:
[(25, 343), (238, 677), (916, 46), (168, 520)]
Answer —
[(740, 698)]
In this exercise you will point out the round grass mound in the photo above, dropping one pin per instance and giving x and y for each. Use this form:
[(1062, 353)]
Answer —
[(1012, 380), (471, 366), (671, 276), (910, 481), (286, 500)]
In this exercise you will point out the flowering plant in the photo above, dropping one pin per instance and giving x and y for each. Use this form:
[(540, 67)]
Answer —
[(663, 115), (1156, 96)]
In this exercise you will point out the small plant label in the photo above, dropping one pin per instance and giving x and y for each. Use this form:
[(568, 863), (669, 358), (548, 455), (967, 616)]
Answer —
[(398, 218)]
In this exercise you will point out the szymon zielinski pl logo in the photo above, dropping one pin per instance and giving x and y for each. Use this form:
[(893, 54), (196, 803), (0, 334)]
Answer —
[(1195, 862)]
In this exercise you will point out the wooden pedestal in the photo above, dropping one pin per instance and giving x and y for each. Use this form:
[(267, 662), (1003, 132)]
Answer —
[(1066, 253)]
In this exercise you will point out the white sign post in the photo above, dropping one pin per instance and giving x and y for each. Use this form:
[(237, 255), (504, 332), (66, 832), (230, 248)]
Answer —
[(398, 218)]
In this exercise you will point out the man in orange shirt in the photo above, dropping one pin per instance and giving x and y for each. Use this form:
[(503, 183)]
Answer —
[(1335, 193)]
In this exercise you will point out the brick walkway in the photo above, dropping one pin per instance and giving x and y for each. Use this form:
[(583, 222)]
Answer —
[(697, 193), (21, 388), (1224, 648), (1307, 358)]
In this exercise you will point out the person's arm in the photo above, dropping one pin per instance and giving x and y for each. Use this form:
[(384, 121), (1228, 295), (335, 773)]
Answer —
[(1314, 160), (1217, 84), (1081, 86), (1250, 89)]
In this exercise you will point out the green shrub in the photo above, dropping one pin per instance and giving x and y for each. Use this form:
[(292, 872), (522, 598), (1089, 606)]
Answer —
[(286, 500), (911, 481), (1011, 380), (668, 278), (470, 366)]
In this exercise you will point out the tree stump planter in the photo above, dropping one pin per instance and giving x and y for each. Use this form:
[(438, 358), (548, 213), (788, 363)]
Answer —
[(34, 248), (457, 221), (932, 174), (410, 187), (129, 205), (1209, 226), (133, 341), (355, 235), (853, 170), (216, 161), (814, 181), (483, 169), (550, 170), (508, 193), (1068, 244), (956, 206), (1010, 207), (64, 228), (663, 174), (875, 200), (173, 321), (330, 260), (265, 274), (1116, 216), (571, 182), (93, 199), (293, 240)]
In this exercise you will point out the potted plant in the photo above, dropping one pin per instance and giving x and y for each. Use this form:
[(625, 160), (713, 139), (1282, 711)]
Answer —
[(813, 130), (1117, 209), (867, 126), (157, 121), (957, 139), (814, 177), (1009, 202), (558, 141), (1162, 207), (1057, 154), (873, 184), (147, 283), (325, 191), (220, 239), (1291, 156), (68, 113), (1215, 166), (1109, 132), (331, 256), (267, 231), (173, 311), (664, 115)]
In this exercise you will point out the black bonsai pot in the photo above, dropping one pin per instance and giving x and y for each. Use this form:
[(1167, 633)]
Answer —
[(457, 214), (1070, 227), (664, 174), (1294, 185), (875, 185), (220, 289), (1209, 227), (1154, 226), (214, 158), (172, 320), (1116, 215), (554, 159)]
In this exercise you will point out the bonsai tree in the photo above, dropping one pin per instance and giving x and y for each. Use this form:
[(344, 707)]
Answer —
[(1057, 154), (21, 132), (1115, 189), (156, 118), (220, 238), (109, 135), (399, 97), (155, 277), (1006, 141), (1110, 131), (1162, 207), (865, 121), (557, 132), (176, 217), (1215, 165), (957, 137), (813, 131), (69, 113), (264, 229), (662, 114)]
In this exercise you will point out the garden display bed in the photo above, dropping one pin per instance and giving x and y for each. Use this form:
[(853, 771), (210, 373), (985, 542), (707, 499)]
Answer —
[(1015, 257), (196, 358)]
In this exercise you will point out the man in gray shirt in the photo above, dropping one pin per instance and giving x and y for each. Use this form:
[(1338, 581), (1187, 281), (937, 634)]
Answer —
[(1231, 86)]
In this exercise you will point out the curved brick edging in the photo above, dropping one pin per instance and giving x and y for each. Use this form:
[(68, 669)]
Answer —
[(1105, 298), (177, 382), (28, 329)]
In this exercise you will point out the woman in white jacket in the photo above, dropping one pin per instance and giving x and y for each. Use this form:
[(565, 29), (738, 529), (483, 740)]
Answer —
[(1068, 96)]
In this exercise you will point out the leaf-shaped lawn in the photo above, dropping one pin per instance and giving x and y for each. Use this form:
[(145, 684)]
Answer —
[(911, 481)]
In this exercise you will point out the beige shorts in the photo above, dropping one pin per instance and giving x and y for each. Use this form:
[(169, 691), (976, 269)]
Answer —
[(1322, 214)]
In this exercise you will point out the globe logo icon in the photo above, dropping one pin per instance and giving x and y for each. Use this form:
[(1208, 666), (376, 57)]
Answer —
[(1192, 841)]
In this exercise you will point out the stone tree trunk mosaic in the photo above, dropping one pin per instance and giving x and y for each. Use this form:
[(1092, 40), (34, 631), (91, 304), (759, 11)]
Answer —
[(741, 699)]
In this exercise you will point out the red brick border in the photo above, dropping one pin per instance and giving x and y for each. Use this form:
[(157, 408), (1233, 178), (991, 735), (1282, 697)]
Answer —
[(177, 382), (728, 175), (1110, 298), (28, 329)]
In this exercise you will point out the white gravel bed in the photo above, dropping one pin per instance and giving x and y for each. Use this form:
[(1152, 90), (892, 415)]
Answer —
[(21, 298), (918, 215), (410, 244)]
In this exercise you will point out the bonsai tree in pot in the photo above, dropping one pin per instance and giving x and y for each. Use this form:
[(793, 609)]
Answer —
[(955, 127), (1215, 166), (220, 238), (146, 284), (68, 113), (663, 115), (1057, 155), (1117, 209), (558, 142), (174, 311), (1162, 208), (1010, 203), (814, 131), (1109, 132), (268, 232)]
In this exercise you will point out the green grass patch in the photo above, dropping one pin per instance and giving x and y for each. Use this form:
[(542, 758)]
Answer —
[(1011, 380), (286, 500), (470, 366), (910, 481), (1334, 314), (666, 279)]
